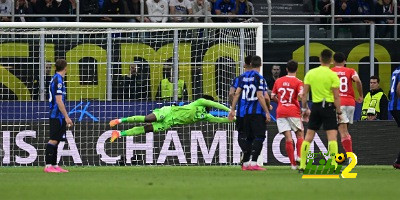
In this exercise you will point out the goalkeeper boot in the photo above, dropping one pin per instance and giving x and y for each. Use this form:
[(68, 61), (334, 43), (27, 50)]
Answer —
[(50, 169), (114, 135), (114, 122), (61, 169)]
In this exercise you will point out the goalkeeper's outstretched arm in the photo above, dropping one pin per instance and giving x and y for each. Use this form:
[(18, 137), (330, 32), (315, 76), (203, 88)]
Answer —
[(209, 103), (211, 118)]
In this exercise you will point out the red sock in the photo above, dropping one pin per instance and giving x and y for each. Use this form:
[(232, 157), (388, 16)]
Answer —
[(290, 152), (298, 146), (347, 144)]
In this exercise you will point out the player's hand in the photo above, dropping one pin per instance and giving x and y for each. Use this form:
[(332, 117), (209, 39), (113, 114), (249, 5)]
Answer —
[(360, 99), (69, 122), (339, 117), (305, 116), (271, 107), (267, 117), (231, 115)]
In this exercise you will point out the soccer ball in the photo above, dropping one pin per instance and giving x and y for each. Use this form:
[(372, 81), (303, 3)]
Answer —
[(339, 157)]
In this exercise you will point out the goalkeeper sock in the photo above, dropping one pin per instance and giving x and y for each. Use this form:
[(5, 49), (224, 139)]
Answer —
[(50, 151), (347, 144), (290, 152), (133, 119), (298, 146), (305, 148), (133, 131), (333, 150)]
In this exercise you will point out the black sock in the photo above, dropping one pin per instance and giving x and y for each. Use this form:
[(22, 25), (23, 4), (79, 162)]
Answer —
[(50, 152), (54, 160), (246, 149), (398, 159), (256, 148)]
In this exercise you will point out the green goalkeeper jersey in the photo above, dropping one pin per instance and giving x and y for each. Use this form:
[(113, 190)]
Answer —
[(191, 113)]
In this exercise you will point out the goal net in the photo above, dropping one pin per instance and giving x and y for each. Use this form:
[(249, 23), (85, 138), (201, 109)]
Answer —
[(114, 71)]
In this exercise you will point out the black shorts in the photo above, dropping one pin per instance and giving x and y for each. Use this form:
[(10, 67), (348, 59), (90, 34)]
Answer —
[(323, 116), (255, 126), (240, 125), (57, 129), (396, 116)]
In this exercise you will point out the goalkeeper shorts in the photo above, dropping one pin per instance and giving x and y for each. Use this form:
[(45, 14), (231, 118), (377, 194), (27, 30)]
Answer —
[(164, 119)]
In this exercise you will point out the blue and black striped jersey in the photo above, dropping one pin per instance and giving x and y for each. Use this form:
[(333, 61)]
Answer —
[(251, 82), (394, 103), (56, 87), (239, 110)]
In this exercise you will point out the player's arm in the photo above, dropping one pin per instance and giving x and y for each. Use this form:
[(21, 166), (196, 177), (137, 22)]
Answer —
[(235, 99), (214, 119), (231, 94), (336, 97), (262, 101), (398, 89), (209, 103), (267, 100), (61, 107), (357, 80), (274, 96)]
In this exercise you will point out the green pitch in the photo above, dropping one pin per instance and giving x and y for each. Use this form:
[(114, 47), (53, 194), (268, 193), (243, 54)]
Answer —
[(161, 182)]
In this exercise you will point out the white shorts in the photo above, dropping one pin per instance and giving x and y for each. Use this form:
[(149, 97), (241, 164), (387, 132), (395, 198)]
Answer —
[(289, 124), (347, 114)]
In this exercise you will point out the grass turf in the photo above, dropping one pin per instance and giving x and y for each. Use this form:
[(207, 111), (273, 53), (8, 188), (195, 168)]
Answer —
[(205, 182)]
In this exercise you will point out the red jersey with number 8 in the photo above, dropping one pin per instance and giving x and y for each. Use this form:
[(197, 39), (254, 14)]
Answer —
[(346, 85), (287, 89)]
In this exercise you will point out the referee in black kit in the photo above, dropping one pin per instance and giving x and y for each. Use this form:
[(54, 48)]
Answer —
[(324, 84)]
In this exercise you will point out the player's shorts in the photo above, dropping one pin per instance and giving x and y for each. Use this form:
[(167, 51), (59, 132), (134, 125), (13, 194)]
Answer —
[(58, 129), (347, 115), (240, 125), (396, 116), (255, 126), (164, 119), (325, 116), (289, 124)]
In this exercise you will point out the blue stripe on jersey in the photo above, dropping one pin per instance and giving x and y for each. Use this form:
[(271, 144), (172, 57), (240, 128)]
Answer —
[(239, 112), (394, 103), (251, 82), (56, 87)]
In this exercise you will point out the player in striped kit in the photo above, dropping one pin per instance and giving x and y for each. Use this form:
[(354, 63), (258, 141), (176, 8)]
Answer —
[(347, 99), (256, 110), (394, 104), (286, 91)]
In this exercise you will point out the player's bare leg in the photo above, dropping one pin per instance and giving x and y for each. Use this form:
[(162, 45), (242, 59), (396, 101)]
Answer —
[(290, 148), (148, 118)]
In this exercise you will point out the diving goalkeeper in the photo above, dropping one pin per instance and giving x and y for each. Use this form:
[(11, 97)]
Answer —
[(164, 118)]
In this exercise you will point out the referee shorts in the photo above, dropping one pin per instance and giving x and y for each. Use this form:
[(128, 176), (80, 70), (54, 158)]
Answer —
[(58, 129), (325, 116)]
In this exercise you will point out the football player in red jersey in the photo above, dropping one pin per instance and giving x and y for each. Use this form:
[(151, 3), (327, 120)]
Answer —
[(346, 76), (286, 91)]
